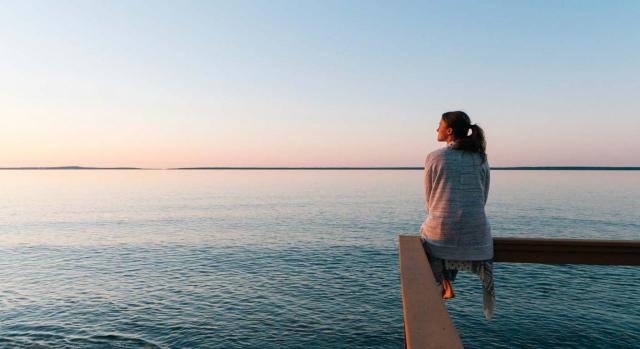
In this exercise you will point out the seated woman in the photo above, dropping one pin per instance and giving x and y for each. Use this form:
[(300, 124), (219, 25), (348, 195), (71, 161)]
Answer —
[(456, 234)]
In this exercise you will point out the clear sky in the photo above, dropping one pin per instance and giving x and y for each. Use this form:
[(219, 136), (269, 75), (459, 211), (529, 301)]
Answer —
[(316, 83)]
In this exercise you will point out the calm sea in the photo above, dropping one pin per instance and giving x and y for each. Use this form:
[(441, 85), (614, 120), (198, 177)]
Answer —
[(292, 259)]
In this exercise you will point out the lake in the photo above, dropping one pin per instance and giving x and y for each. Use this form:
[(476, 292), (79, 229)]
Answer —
[(292, 259)]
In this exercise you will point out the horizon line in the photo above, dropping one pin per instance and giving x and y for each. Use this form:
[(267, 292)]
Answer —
[(410, 168)]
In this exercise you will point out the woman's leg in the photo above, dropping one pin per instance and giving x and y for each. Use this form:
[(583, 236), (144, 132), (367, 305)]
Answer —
[(447, 283), (442, 276), (447, 289)]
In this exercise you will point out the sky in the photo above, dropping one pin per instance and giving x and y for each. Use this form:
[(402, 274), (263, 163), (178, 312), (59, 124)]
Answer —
[(316, 83)]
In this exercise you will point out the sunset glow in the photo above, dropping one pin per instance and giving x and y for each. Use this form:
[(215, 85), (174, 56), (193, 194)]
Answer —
[(316, 84)]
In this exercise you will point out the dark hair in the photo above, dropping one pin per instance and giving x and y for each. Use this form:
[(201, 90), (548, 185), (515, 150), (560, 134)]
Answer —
[(460, 123)]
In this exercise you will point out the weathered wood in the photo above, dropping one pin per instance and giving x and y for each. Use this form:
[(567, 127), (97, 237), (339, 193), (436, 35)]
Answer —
[(566, 251), (427, 322)]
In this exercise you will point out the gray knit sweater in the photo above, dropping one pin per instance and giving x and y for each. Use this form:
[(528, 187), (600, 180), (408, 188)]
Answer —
[(456, 186)]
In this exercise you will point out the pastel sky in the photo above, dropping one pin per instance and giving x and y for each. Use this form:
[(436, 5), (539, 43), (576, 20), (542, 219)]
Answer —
[(316, 83)]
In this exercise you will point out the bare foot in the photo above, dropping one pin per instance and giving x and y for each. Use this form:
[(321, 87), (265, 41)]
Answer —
[(447, 290)]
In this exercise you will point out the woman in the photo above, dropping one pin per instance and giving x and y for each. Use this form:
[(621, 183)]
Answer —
[(456, 234)]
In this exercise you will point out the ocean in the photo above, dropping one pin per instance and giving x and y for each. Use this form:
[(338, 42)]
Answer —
[(292, 259)]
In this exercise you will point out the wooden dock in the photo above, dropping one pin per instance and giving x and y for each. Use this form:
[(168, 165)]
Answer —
[(426, 321)]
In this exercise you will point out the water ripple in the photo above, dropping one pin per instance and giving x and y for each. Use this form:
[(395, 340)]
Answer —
[(195, 260)]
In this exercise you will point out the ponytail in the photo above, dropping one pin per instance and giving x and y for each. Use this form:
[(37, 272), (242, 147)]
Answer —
[(461, 124)]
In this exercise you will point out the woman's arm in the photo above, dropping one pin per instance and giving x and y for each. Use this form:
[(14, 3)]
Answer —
[(487, 182), (427, 183)]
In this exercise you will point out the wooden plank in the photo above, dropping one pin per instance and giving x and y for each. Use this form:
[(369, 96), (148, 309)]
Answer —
[(566, 251), (427, 322)]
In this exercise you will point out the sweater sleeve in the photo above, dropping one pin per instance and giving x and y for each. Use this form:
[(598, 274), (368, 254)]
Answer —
[(427, 183), (487, 182)]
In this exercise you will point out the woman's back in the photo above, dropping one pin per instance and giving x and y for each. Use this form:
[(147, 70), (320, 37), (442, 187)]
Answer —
[(456, 190), (456, 234)]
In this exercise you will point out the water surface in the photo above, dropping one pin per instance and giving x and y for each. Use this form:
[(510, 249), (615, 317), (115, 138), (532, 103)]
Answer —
[(296, 259)]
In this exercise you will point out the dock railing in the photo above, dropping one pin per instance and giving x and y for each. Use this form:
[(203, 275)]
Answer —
[(426, 321)]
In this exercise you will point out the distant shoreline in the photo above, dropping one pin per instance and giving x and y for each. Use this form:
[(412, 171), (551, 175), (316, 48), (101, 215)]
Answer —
[(569, 168), (516, 168), (340, 168), (71, 168)]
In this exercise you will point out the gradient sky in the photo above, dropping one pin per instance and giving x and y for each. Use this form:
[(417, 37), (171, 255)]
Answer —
[(316, 83)]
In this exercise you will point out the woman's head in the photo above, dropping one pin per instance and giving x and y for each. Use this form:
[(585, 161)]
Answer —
[(455, 126)]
